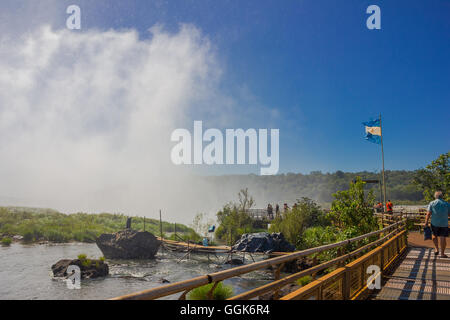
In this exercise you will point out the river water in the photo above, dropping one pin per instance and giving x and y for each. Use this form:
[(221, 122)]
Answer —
[(25, 272)]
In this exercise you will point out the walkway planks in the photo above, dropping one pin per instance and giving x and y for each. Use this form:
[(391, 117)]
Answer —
[(420, 276)]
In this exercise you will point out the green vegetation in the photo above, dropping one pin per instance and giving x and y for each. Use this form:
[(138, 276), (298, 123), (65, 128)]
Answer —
[(6, 241), (353, 209), (318, 235), (234, 220), (82, 256), (85, 262), (305, 214), (50, 225), (434, 177), (306, 225), (303, 281), (321, 186), (221, 292), (191, 236)]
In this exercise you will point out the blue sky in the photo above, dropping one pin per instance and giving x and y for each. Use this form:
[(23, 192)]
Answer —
[(318, 64)]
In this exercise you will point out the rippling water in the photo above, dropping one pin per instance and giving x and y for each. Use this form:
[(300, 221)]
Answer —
[(25, 273)]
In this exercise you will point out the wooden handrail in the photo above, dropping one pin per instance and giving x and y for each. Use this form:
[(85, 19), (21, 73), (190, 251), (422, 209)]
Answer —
[(343, 274), (187, 285), (276, 285)]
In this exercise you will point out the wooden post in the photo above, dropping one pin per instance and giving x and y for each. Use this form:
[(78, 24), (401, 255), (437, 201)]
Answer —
[(160, 225), (189, 251), (144, 223), (346, 284), (160, 231), (384, 181)]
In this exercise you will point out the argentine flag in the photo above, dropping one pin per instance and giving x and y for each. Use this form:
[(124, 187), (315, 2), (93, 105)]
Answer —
[(373, 131)]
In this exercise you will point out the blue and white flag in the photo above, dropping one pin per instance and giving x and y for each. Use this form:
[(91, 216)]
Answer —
[(373, 131)]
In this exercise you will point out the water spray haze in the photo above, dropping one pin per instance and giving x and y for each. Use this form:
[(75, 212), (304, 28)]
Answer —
[(85, 118)]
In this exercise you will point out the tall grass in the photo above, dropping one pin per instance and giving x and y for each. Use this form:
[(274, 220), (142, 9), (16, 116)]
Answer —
[(221, 292)]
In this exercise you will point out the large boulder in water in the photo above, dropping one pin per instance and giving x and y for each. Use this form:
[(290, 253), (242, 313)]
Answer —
[(89, 268), (128, 244), (263, 242)]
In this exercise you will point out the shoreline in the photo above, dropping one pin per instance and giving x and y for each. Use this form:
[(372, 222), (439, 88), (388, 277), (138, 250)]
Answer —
[(42, 242)]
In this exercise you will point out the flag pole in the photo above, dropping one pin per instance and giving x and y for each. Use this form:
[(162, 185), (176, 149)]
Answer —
[(382, 156)]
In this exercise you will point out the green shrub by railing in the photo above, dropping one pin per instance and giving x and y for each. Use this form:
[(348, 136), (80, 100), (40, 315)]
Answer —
[(221, 292), (304, 280)]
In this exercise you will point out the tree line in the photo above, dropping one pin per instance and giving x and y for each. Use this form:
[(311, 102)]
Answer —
[(319, 186), (307, 225)]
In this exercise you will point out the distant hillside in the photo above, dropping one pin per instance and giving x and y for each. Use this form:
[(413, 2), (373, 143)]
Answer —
[(316, 185)]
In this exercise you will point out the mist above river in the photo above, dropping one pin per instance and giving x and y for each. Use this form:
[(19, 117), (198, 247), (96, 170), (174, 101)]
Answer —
[(86, 119)]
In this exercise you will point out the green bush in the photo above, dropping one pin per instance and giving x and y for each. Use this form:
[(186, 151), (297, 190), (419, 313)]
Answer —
[(303, 281), (6, 241), (294, 222), (28, 236), (86, 263), (82, 256), (435, 177), (317, 236), (57, 236), (353, 208), (221, 292)]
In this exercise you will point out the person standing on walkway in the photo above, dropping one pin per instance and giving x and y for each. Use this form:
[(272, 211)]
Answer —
[(438, 211), (389, 207), (270, 211)]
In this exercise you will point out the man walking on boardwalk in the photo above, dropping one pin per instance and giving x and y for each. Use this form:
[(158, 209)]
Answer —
[(439, 211)]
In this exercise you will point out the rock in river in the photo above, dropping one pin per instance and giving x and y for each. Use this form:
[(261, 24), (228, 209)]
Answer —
[(128, 244), (263, 242), (89, 268)]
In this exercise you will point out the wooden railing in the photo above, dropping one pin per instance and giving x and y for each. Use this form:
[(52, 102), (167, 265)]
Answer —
[(350, 281), (416, 219), (277, 264)]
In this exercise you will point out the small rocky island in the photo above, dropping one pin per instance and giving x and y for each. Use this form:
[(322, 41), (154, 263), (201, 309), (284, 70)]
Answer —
[(89, 268), (128, 244), (263, 242)]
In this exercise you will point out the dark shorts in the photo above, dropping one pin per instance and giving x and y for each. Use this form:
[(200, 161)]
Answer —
[(439, 231)]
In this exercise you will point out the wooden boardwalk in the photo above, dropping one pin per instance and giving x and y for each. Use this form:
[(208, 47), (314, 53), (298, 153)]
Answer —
[(419, 276)]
